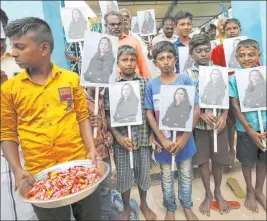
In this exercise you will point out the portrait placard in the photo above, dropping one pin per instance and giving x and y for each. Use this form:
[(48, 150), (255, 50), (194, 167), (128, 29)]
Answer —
[(2, 31), (251, 85), (213, 87), (75, 23), (107, 6), (176, 107), (135, 25), (185, 60), (147, 22), (125, 104), (99, 59), (229, 45)]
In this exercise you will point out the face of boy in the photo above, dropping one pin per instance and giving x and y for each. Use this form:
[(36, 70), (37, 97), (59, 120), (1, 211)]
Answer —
[(26, 52), (201, 54), (165, 61), (184, 27), (232, 30), (248, 57), (127, 64)]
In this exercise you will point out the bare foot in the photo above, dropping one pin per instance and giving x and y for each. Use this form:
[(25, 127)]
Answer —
[(204, 207), (126, 213), (189, 214), (261, 199), (169, 216), (147, 212), (250, 202), (224, 207)]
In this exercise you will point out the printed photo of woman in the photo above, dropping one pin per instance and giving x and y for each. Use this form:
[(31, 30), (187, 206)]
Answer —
[(78, 25), (255, 95), (101, 65), (232, 61), (178, 112), (148, 24), (214, 91), (127, 107)]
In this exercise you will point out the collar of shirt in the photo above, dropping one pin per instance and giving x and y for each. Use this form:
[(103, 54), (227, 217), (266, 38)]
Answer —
[(195, 67), (123, 36), (173, 37), (135, 77), (55, 70)]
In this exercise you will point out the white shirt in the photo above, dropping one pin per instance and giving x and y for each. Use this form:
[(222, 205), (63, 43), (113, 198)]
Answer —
[(162, 37)]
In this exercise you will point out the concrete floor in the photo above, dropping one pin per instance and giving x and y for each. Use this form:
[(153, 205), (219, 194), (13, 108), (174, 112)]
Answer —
[(155, 201)]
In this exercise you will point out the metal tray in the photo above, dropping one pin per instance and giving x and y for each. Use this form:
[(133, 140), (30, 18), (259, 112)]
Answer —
[(102, 168)]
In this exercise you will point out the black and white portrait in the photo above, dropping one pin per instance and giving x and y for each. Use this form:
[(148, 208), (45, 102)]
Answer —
[(213, 87), (125, 104), (135, 25), (99, 59), (147, 22), (251, 85), (185, 60), (214, 44), (176, 107), (229, 45), (75, 23), (2, 31), (107, 6)]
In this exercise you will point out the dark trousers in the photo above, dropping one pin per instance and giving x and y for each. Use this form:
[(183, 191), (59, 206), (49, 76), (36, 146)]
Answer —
[(86, 209)]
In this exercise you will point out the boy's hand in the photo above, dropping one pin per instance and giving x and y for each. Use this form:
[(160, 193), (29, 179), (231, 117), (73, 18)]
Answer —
[(220, 124), (167, 144), (257, 139), (94, 157), (23, 175), (179, 145), (95, 120), (208, 118), (125, 142)]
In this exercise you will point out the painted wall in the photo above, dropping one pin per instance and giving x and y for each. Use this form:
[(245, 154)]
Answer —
[(252, 15), (47, 10)]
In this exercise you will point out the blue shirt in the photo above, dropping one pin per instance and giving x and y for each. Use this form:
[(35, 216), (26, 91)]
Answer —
[(252, 117), (152, 100), (178, 44)]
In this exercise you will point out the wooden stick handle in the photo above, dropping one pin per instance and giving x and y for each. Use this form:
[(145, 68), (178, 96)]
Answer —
[(96, 109), (215, 134), (131, 152), (173, 156)]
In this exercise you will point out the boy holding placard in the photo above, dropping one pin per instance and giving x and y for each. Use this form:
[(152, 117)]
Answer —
[(139, 144), (164, 56), (200, 50), (250, 149)]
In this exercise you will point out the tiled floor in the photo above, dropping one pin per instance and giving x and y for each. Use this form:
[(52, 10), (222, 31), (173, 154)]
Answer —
[(155, 201)]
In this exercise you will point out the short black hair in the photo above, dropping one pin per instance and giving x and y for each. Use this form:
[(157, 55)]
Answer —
[(232, 20), (182, 15), (248, 43), (3, 18), (39, 27), (163, 46), (198, 39), (167, 18), (210, 27), (129, 50)]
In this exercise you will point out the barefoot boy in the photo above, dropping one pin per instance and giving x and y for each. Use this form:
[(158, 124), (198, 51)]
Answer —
[(139, 144), (164, 56), (249, 139), (200, 49)]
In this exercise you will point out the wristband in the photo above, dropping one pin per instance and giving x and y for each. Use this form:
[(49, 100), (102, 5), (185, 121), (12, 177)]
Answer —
[(248, 127)]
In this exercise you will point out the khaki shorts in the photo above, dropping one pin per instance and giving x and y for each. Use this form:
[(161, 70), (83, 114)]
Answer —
[(205, 147)]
